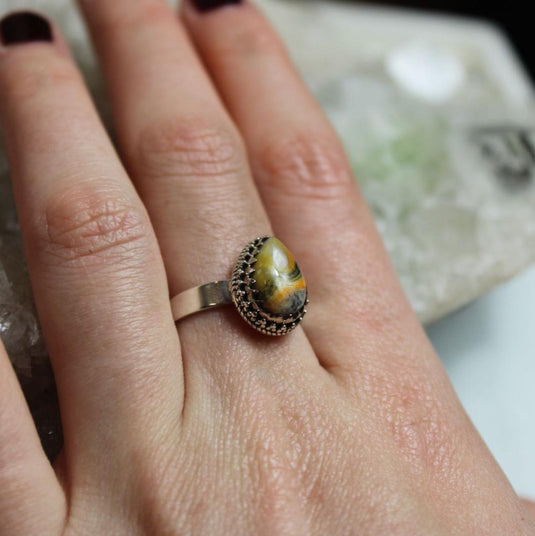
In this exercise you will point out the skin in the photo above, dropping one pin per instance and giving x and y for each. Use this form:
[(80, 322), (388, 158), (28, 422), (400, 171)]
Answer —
[(347, 426)]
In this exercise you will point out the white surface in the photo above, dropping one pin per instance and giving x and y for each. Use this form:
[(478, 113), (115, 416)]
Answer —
[(488, 349)]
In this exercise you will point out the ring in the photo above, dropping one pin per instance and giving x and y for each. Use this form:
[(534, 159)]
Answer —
[(267, 287)]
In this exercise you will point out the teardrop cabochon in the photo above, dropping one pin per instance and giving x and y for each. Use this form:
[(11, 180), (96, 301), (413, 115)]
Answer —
[(268, 287)]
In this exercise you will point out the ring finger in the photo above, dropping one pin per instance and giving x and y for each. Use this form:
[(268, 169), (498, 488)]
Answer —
[(189, 163)]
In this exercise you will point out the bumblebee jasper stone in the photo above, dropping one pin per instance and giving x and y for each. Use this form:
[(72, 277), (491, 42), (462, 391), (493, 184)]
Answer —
[(280, 285)]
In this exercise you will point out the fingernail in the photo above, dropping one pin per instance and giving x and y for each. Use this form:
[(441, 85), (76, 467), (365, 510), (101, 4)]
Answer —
[(24, 27), (209, 5)]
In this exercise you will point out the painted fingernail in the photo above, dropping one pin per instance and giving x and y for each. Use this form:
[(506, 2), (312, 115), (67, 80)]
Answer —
[(24, 27), (209, 5)]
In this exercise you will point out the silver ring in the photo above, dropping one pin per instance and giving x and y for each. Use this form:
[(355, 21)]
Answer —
[(267, 288)]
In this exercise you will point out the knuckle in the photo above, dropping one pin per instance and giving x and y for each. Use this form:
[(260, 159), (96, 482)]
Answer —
[(189, 149), (305, 165), (24, 78), (89, 225)]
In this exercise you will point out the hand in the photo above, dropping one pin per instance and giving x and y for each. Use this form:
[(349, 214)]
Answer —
[(347, 426)]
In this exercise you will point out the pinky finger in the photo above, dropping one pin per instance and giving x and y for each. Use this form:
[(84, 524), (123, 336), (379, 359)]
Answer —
[(31, 498)]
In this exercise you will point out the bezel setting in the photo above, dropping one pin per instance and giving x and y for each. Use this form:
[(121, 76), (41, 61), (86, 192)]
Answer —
[(244, 294)]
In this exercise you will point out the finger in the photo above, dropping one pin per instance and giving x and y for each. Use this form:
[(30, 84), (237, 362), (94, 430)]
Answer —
[(529, 506), (191, 169), (181, 147), (31, 498), (95, 267), (306, 183)]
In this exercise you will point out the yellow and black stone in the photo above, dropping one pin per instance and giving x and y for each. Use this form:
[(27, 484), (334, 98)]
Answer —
[(280, 285)]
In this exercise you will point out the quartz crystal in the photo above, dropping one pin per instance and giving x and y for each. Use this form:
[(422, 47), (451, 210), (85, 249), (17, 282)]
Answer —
[(438, 120)]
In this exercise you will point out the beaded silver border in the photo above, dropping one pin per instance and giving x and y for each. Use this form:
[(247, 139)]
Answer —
[(243, 295)]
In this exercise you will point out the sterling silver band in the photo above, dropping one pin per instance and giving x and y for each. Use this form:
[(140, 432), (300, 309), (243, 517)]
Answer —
[(267, 289), (201, 298)]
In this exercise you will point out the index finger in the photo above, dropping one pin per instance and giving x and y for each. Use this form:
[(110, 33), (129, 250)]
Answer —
[(95, 266)]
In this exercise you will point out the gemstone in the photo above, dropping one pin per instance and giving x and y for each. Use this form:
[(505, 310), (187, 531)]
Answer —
[(280, 285)]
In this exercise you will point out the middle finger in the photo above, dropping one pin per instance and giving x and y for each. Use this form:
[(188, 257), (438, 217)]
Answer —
[(190, 165)]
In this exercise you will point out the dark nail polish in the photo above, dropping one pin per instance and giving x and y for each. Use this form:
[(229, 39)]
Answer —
[(24, 27), (209, 5)]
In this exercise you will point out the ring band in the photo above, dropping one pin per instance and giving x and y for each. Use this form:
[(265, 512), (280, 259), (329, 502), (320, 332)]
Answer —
[(267, 288)]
